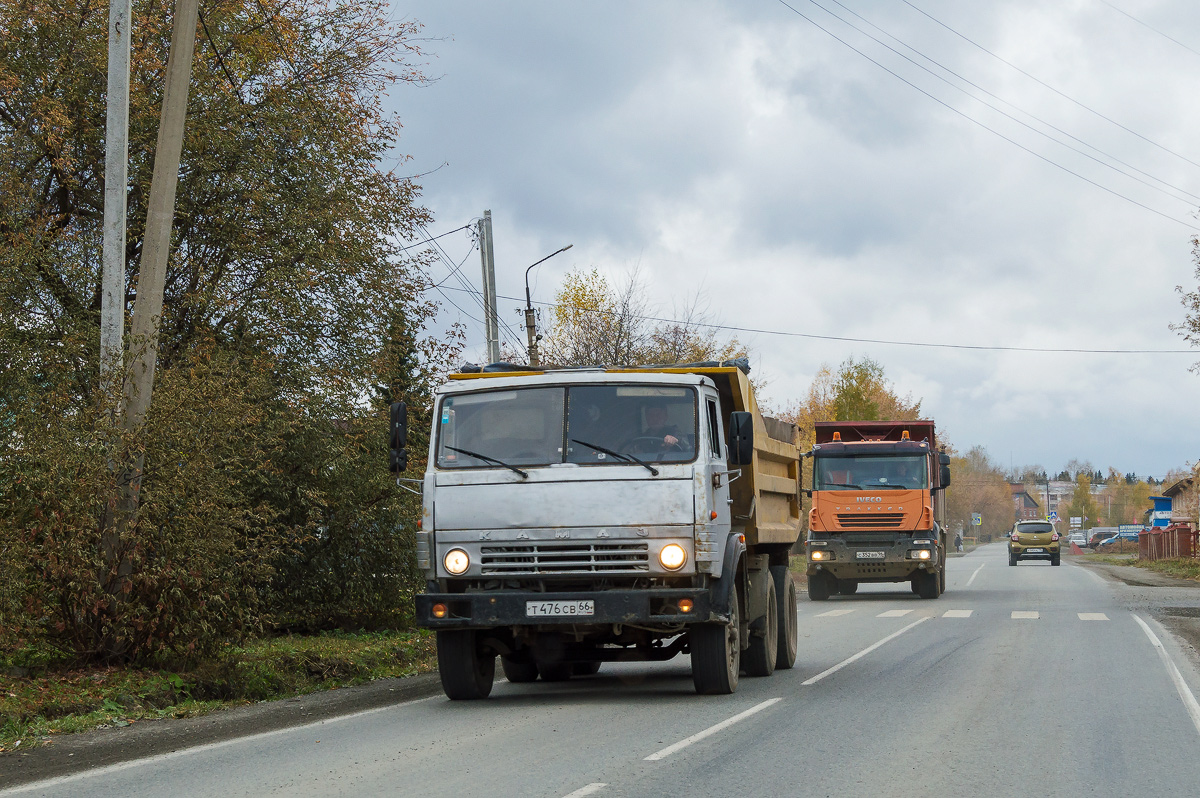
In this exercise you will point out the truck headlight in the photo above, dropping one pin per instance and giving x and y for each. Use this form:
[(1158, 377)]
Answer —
[(820, 555), (919, 554), (672, 556), (457, 562)]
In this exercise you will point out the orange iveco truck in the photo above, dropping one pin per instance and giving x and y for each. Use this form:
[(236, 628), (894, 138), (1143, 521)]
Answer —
[(877, 507)]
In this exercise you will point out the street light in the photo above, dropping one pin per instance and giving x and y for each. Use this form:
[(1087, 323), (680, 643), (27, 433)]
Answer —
[(530, 322)]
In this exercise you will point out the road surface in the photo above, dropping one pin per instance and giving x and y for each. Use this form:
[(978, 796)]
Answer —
[(1030, 680)]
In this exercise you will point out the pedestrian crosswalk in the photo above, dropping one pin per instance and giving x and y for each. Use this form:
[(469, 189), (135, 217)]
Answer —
[(1016, 615)]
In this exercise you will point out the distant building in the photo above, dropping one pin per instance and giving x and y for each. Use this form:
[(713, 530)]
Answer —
[(1184, 496), (1025, 506)]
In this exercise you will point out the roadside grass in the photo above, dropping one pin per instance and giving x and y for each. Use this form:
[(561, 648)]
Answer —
[(57, 699), (1183, 567)]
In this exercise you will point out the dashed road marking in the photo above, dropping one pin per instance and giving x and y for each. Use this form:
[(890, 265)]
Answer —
[(835, 613), (1025, 615), (590, 789), (893, 614), (1092, 616), (957, 613), (861, 654), (711, 730), (972, 579)]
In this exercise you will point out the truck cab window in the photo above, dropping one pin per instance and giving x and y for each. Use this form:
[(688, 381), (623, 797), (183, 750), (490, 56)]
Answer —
[(518, 427), (652, 423), (714, 428)]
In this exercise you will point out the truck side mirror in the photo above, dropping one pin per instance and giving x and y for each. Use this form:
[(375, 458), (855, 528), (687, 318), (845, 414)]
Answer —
[(741, 438), (398, 438), (945, 475)]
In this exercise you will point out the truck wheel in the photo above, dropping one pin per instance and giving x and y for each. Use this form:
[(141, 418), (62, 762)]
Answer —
[(847, 587), (789, 631), (467, 671), (942, 578), (928, 584), (589, 668), (518, 671), (819, 586), (914, 585), (554, 671), (760, 654), (717, 653)]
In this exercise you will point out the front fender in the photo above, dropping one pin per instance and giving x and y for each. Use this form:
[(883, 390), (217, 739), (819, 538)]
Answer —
[(722, 588)]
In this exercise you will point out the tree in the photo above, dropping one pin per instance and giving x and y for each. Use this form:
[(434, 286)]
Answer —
[(285, 246), (1083, 504), (1189, 328), (979, 486)]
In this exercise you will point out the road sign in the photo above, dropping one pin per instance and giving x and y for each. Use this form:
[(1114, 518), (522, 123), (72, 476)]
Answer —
[(976, 519), (1077, 520), (1129, 528), (1054, 515)]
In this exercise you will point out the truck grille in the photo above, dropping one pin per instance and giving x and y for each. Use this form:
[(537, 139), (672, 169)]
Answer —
[(870, 520), (565, 558)]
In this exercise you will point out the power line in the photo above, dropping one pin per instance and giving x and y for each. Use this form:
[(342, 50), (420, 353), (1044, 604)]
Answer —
[(1147, 25), (994, 96), (994, 132), (434, 238), (1048, 86), (921, 344)]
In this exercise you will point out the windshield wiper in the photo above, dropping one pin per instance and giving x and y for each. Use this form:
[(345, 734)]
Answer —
[(628, 458), (840, 485), (894, 487), (487, 459)]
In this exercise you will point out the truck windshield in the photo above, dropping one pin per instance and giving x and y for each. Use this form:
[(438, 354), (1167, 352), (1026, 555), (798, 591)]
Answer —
[(594, 425), (870, 472)]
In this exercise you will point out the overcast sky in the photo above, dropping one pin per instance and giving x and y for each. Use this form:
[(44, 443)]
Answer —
[(740, 149)]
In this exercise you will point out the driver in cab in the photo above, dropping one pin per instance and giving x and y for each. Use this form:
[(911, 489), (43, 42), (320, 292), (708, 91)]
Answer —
[(657, 426)]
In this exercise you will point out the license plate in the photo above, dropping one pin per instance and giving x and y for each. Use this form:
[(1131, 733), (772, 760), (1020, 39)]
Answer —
[(1035, 551), (559, 609), (870, 555)]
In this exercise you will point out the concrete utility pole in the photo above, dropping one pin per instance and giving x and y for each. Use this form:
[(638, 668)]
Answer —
[(116, 178), (491, 322), (160, 214)]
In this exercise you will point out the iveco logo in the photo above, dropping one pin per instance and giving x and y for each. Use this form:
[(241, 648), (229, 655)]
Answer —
[(869, 499)]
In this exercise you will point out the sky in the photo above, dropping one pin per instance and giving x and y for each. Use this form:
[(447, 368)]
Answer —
[(949, 183)]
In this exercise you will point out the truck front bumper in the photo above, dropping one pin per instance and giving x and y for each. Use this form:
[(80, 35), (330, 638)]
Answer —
[(894, 562), (512, 607)]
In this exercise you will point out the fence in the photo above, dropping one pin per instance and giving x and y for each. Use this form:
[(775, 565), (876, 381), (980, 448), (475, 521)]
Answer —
[(1161, 543)]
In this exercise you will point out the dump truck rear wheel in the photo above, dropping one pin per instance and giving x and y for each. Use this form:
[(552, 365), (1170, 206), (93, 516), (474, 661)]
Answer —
[(789, 633), (717, 653), (518, 671), (819, 585), (554, 671), (760, 654), (467, 671)]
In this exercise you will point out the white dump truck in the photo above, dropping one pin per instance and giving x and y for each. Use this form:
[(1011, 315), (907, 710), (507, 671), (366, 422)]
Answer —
[(592, 515)]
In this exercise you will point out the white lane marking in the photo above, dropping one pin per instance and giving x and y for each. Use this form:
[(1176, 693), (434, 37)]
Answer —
[(893, 614), (590, 789), (157, 758), (1025, 615), (1092, 616), (861, 654), (972, 579), (834, 613), (711, 730), (957, 613), (1095, 576), (1185, 694)]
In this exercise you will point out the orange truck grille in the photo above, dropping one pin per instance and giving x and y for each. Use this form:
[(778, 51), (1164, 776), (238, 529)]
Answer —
[(870, 520)]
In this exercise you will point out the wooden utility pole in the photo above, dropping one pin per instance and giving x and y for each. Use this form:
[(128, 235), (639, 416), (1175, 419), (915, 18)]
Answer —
[(491, 322), (116, 179)]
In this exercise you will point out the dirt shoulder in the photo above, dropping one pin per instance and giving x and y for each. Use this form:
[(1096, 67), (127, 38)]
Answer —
[(68, 754)]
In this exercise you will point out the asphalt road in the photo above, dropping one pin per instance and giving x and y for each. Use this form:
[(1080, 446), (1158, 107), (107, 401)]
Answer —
[(1019, 681)]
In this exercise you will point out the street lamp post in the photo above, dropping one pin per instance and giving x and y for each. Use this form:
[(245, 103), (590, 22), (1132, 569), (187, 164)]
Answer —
[(530, 319)]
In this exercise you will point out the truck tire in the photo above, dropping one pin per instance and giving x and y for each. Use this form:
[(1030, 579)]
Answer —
[(820, 586), (942, 578), (554, 671), (789, 626), (928, 584), (518, 671), (589, 668), (914, 585), (717, 653), (847, 587), (466, 670), (759, 659)]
